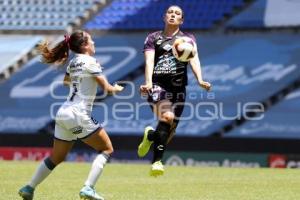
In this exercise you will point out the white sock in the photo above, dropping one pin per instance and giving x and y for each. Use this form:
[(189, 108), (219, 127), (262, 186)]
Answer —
[(41, 173), (96, 170)]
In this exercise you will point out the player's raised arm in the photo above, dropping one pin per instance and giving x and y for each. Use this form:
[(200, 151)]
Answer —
[(149, 64), (106, 86), (94, 69), (196, 68)]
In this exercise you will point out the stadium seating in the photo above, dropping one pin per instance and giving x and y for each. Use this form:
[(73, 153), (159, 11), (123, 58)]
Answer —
[(148, 14), (42, 14), (281, 121), (252, 17), (14, 48), (268, 14)]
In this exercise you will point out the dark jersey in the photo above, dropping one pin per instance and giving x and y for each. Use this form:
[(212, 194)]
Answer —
[(168, 71)]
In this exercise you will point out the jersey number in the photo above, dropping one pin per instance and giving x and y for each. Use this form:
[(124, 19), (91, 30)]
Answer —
[(75, 90)]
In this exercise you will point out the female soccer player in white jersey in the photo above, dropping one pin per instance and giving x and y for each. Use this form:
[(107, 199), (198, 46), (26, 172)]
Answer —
[(165, 82), (73, 119)]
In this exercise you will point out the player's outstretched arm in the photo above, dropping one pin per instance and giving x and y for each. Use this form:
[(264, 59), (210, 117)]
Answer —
[(106, 86), (196, 68), (149, 61)]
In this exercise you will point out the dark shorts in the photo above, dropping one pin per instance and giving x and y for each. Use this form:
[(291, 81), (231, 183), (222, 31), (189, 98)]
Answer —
[(175, 94)]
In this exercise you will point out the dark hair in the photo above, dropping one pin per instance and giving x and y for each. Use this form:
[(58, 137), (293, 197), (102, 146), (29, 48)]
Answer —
[(182, 12), (60, 53)]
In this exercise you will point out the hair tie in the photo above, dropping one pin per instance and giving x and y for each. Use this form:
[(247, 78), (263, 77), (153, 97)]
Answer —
[(67, 39)]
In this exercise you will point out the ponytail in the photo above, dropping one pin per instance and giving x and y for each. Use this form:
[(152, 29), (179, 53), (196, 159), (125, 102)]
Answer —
[(57, 55), (60, 53)]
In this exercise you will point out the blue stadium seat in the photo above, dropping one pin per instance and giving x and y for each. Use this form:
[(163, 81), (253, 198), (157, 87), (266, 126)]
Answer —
[(138, 13), (41, 14), (253, 17)]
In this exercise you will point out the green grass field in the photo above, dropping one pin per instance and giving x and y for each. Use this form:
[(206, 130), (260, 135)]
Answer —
[(131, 182)]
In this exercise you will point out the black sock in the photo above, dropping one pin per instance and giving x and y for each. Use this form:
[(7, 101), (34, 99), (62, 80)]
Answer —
[(161, 134), (151, 135), (48, 162)]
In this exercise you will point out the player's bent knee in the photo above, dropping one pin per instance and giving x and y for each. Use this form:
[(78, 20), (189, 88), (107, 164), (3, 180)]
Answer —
[(109, 150), (168, 117)]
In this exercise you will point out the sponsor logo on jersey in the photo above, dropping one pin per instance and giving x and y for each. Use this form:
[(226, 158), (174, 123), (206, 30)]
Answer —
[(76, 130)]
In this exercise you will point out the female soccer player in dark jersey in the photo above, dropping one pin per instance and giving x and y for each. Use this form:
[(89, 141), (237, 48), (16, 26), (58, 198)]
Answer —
[(73, 119), (165, 82)]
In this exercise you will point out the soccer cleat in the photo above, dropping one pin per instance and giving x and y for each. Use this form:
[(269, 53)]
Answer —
[(157, 169), (145, 144), (26, 192), (89, 193)]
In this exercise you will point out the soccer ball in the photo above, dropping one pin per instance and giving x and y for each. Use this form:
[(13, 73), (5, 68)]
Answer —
[(184, 49)]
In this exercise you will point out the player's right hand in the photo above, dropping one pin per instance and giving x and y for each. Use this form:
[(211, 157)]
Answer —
[(144, 89), (118, 88), (205, 85)]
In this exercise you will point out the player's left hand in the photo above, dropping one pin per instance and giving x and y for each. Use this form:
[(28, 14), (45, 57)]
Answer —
[(205, 85)]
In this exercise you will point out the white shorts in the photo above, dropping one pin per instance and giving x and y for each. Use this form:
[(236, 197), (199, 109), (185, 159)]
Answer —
[(72, 124)]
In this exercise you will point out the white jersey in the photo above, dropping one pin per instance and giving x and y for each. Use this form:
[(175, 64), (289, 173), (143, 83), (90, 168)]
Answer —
[(83, 87), (73, 119)]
